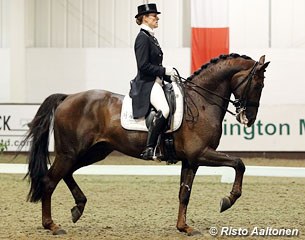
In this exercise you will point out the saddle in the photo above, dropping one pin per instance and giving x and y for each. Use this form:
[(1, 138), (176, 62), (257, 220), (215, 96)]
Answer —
[(139, 124), (174, 96)]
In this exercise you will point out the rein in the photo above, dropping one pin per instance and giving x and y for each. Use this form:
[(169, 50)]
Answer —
[(239, 104)]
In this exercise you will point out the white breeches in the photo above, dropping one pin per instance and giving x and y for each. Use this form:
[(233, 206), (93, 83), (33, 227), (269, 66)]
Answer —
[(157, 98)]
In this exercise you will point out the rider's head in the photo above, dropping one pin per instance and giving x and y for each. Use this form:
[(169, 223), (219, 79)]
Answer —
[(148, 15)]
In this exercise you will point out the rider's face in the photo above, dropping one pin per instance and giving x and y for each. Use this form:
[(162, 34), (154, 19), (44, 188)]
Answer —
[(151, 20)]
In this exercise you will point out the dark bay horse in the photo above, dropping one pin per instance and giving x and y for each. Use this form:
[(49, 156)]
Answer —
[(87, 128)]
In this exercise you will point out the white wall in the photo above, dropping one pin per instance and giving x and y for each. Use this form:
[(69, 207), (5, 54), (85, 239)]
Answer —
[(97, 23), (267, 23), (104, 23), (4, 23), (73, 70), (249, 24), (4, 74), (288, 22)]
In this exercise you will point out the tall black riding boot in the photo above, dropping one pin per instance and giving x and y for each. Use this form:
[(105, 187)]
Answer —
[(156, 127)]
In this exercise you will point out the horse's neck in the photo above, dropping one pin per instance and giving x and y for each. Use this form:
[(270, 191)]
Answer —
[(216, 80)]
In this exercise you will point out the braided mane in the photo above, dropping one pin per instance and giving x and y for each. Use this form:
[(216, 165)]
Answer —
[(215, 60)]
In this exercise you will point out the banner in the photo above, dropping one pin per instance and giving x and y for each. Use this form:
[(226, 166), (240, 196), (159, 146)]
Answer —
[(13, 125), (210, 30), (14, 119), (278, 128)]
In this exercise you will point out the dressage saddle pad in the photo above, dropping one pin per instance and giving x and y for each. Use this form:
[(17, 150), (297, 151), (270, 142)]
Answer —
[(129, 123)]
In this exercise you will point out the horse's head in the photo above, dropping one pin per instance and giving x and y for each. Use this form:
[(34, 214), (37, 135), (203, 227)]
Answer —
[(247, 86)]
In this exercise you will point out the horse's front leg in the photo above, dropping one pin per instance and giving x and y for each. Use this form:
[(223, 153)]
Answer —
[(218, 159), (186, 181)]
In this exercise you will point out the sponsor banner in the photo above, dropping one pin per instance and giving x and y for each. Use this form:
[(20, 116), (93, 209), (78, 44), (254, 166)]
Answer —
[(277, 128), (14, 119)]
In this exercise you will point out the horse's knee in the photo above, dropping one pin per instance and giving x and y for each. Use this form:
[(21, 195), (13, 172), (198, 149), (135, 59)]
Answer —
[(239, 165)]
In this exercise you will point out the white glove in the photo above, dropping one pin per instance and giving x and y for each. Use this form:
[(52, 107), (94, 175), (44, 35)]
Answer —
[(169, 71)]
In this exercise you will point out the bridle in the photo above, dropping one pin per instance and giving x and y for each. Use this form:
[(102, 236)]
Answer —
[(240, 104)]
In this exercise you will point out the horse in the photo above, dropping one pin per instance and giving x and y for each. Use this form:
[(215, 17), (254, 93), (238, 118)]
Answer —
[(87, 129)]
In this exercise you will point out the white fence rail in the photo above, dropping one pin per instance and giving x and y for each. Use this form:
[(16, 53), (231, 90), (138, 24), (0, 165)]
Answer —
[(227, 174)]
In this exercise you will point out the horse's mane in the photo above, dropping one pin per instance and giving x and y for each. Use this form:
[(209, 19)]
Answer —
[(215, 60)]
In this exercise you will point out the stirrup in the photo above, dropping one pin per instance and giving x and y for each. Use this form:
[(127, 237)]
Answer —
[(153, 153), (148, 154)]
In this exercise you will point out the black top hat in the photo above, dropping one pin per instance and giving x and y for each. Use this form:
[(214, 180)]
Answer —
[(147, 8)]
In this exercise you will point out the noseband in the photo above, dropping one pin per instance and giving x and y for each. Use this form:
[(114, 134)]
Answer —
[(240, 104)]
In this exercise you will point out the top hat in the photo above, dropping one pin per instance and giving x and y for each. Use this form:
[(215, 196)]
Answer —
[(147, 8)]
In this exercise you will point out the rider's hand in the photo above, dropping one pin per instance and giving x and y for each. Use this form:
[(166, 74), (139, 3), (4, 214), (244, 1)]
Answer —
[(174, 77), (169, 71)]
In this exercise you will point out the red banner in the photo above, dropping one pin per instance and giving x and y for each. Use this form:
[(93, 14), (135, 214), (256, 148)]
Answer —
[(210, 31)]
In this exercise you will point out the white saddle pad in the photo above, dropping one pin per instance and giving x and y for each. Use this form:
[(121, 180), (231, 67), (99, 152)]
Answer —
[(129, 123)]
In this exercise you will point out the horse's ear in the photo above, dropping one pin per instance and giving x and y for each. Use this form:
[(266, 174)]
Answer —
[(262, 60), (265, 65), (262, 68), (262, 65)]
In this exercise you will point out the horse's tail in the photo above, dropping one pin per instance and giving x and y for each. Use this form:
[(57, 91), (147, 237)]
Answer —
[(38, 135)]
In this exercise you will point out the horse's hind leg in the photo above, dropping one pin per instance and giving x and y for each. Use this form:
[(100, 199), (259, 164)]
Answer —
[(79, 197), (218, 159), (57, 171)]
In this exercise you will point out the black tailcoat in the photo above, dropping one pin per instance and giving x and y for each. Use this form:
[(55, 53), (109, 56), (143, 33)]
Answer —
[(149, 58)]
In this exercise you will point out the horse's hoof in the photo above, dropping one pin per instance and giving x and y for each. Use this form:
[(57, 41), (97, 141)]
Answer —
[(193, 233), (76, 214), (189, 231), (225, 204), (59, 231)]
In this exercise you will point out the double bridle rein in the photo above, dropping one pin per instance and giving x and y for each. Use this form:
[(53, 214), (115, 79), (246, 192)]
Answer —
[(240, 104)]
